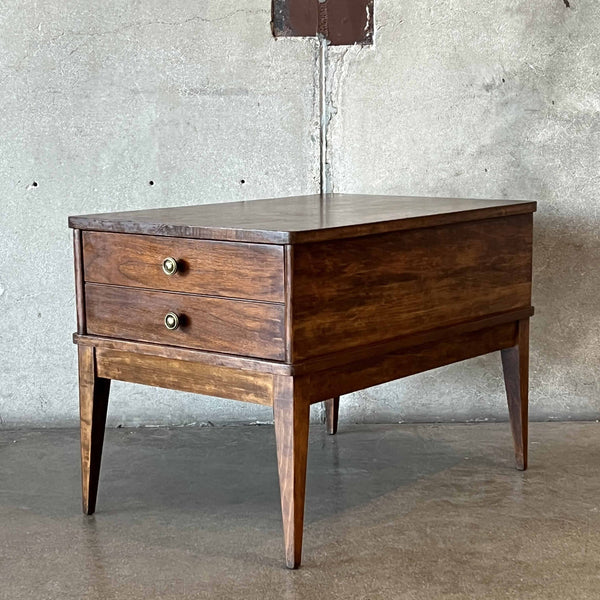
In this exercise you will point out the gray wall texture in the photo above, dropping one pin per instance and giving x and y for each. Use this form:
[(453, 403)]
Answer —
[(456, 97)]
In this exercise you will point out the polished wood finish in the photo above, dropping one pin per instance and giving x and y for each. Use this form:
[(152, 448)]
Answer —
[(351, 377), (93, 404), (243, 363), (217, 324), (301, 219), (289, 313), (187, 376), (405, 342), (289, 302), (79, 282), (418, 279), (291, 414), (332, 411), (353, 355), (515, 364), (251, 271)]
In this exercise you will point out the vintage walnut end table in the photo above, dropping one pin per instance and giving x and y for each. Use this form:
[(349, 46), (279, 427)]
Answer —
[(290, 301)]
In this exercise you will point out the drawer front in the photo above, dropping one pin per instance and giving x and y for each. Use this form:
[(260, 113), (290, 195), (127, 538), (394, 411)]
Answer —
[(252, 271), (216, 324)]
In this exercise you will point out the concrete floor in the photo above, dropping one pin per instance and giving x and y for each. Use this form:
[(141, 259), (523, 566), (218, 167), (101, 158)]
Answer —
[(407, 511)]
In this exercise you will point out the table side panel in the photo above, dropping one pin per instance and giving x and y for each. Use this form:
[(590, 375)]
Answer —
[(233, 270), (177, 374), (399, 344), (365, 290), (352, 377), (231, 326)]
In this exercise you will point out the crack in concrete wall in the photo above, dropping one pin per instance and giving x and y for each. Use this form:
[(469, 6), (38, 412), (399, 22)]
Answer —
[(148, 23), (324, 115), (333, 69)]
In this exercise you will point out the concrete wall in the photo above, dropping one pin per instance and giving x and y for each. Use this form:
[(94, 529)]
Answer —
[(464, 98), (97, 99), (488, 99)]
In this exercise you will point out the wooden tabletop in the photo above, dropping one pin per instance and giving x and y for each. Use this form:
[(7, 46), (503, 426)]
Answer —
[(300, 219)]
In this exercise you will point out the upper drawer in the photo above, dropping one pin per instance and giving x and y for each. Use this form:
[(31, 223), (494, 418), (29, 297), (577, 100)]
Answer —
[(252, 271)]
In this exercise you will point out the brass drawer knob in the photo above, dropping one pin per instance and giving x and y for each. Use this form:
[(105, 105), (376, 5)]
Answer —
[(172, 321), (170, 266)]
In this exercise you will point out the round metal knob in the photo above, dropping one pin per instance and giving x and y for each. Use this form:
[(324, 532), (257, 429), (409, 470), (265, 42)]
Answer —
[(171, 321), (170, 266)]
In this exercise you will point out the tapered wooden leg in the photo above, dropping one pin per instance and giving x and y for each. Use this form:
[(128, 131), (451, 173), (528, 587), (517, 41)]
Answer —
[(332, 409), (93, 403), (515, 363), (291, 415)]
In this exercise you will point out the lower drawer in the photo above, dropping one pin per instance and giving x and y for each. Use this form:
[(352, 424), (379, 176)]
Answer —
[(239, 327)]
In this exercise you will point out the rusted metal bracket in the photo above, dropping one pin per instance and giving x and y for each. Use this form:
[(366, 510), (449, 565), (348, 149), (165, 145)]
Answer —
[(341, 22)]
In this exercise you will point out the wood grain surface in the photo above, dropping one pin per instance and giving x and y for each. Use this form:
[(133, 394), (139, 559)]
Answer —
[(401, 343), (291, 414), (356, 292), (222, 325), (177, 374), (351, 377), (93, 404), (332, 411), (253, 271), (515, 363), (187, 354), (79, 281), (300, 219)]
